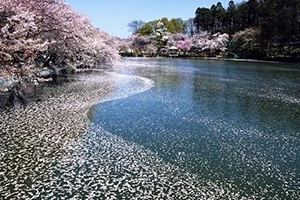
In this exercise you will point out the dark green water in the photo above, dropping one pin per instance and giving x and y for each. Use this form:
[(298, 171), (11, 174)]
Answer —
[(236, 124)]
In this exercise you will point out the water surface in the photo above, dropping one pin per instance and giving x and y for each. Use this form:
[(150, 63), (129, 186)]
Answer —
[(235, 124), (160, 129)]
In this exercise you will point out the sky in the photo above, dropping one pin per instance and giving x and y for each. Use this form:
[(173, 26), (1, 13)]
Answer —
[(113, 16)]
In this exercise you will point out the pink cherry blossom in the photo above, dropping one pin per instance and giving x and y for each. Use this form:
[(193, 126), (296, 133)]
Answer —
[(184, 45), (55, 28)]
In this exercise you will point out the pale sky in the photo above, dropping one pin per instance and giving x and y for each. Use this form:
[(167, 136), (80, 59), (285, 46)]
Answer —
[(113, 16)]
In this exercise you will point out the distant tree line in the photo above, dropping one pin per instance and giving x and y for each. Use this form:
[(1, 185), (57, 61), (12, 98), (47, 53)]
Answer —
[(274, 23), (171, 37), (175, 25), (259, 29)]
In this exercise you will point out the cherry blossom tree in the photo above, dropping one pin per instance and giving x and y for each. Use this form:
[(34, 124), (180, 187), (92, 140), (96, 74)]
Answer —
[(125, 46), (56, 30), (175, 38), (151, 49), (204, 41), (218, 42), (185, 45), (18, 32), (139, 43), (200, 40), (247, 44)]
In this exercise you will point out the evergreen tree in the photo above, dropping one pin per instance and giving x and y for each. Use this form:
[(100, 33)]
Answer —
[(253, 9), (203, 19), (243, 10), (220, 18), (231, 18), (277, 21), (213, 22)]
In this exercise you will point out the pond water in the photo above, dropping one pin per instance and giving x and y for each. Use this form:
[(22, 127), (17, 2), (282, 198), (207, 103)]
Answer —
[(234, 124), (159, 129)]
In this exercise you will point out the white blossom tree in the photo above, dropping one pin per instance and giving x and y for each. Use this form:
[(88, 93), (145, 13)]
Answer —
[(218, 42), (246, 44), (151, 49), (161, 35), (54, 28), (175, 38), (185, 45), (200, 40), (204, 41)]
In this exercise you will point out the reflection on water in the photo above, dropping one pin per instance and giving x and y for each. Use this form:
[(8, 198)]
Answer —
[(236, 124)]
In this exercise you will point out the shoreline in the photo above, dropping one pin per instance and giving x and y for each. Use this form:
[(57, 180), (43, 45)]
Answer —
[(56, 146), (35, 136), (77, 148), (297, 61)]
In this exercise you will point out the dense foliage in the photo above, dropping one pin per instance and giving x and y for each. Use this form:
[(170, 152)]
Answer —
[(276, 21), (159, 37), (246, 44), (261, 29), (176, 25), (161, 42), (50, 33)]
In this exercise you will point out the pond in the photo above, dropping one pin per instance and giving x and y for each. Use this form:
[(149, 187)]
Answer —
[(236, 124), (158, 128)]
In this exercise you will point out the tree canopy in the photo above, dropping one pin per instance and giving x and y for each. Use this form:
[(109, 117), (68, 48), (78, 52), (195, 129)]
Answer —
[(260, 28), (175, 25), (278, 14), (54, 29), (278, 21), (135, 25)]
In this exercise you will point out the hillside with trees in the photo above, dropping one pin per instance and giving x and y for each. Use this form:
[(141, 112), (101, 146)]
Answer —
[(258, 29), (177, 37)]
